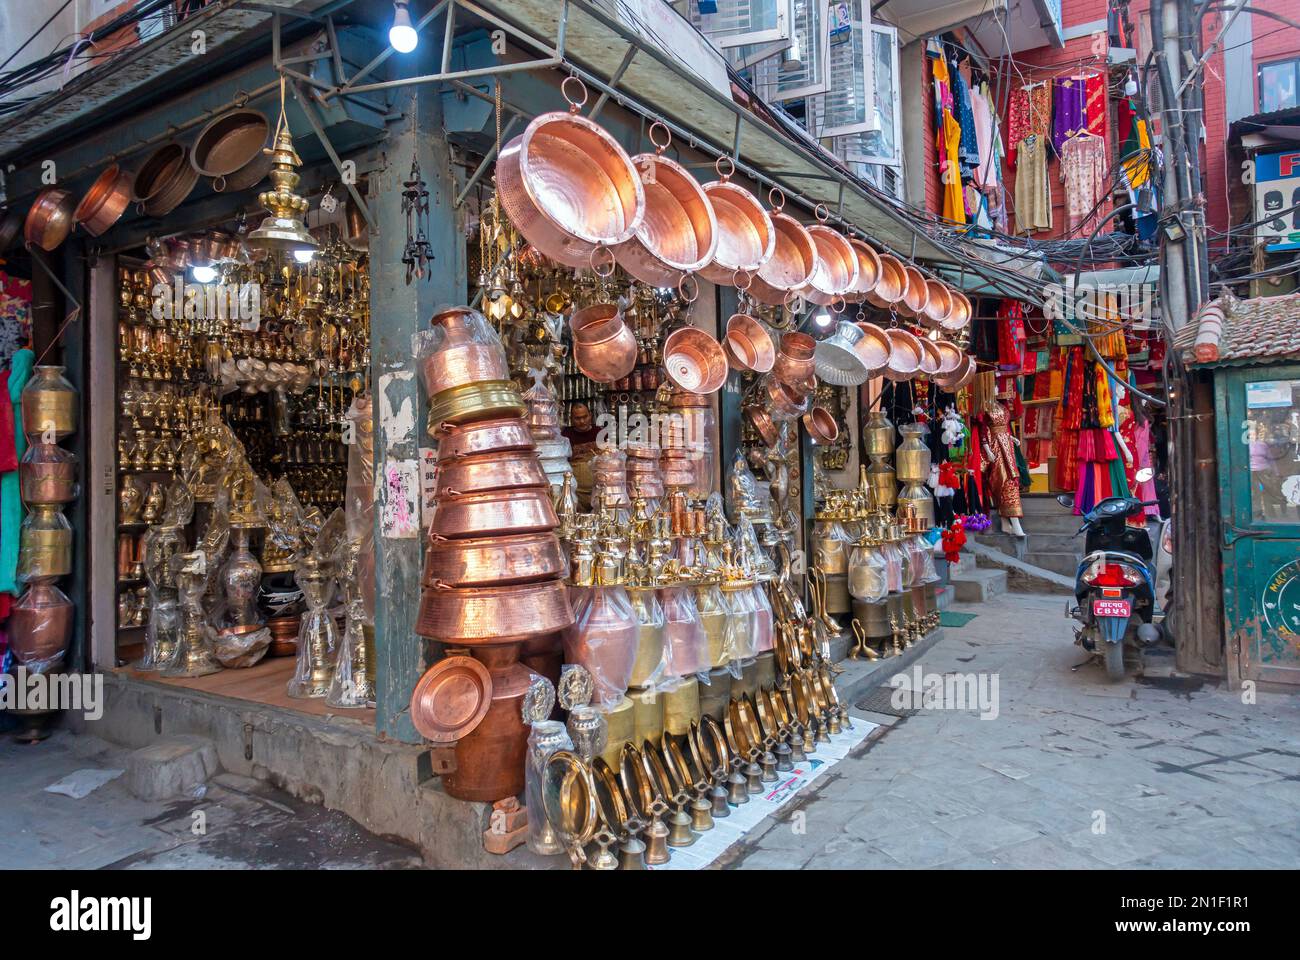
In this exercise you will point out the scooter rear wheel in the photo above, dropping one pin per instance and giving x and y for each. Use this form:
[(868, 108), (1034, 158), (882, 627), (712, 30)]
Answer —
[(1113, 654)]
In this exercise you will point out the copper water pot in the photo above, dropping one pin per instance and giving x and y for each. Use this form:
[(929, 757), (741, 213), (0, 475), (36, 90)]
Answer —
[(461, 359), (502, 559), (694, 361), (43, 479), (679, 232), (891, 283), (836, 271), (748, 344), (485, 615), (524, 510), (794, 359), (604, 346), (49, 221), (504, 470), (569, 188), (794, 259), (869, 270), (746, 237), (784, 401), (40, 624), (105, 201), (483, 436), (490, 759)]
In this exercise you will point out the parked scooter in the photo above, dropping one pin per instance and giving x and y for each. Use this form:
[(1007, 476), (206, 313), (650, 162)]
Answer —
[(1115, 582)]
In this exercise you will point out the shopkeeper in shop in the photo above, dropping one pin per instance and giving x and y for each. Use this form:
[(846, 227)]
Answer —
[(582, 433)]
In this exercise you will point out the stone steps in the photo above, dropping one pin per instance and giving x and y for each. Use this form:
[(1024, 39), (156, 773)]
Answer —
[(977, 585)]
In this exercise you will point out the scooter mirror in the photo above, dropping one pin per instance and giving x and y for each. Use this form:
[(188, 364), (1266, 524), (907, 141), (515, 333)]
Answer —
[(1145, 474), (1065, 499)]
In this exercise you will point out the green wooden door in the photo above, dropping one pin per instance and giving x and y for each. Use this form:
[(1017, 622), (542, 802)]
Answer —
[(1259, 470)]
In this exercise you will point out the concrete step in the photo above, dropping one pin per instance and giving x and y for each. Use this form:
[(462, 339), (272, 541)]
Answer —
[(977, 586), (1037, 506), (1023, 576), (1008, 544), (1053, 543), (945, 596), (1058, 562)]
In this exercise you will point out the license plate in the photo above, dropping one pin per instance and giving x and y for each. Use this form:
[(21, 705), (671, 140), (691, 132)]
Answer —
[(1111, 608)]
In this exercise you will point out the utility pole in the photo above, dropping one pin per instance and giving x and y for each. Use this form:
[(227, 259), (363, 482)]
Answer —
[(1197, 619)]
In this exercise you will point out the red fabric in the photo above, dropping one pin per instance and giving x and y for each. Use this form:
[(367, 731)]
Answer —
[(8, 442), (954, 538), (1095, 104)]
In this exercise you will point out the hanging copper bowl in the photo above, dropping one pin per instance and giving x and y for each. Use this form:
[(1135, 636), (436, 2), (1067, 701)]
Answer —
[(604, 346), (931, 359), (229, 150), (49, 221), (746, 237), (868, 270), (679, 232), (569, 188), (794, 258), (904, 355), (762, 423), (891, 284), (483, 436), (484, 561), (105, 201), (962, 376), (821, 426), (960, 313), (451, 699), (874, 347), (495, 614), (836, 271), (748, 344), (795, 361), (915, 294), (498, 470), (950, 358), (527, 510), (164, 181), (938, 304), (694, 361)]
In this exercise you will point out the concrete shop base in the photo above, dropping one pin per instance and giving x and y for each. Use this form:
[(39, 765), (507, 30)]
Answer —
[(339, 761)]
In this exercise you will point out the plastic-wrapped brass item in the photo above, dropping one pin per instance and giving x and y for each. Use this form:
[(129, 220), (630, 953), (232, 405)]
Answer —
[(681, 707)]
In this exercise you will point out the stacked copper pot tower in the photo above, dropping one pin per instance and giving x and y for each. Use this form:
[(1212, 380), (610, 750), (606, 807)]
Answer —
[(41, 622), (493, 589)]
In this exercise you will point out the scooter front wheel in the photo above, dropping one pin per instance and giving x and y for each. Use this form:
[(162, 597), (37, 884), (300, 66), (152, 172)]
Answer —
[(1113, 654)]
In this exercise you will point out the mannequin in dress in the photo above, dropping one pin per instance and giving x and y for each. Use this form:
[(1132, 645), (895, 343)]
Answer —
[(1003, 481)]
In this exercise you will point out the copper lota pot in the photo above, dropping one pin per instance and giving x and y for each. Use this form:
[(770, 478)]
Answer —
[(748, 344), (491, 756), (105, 201), (498, 470), (495, 560), (465, 355), (795, 361), (694, 361), (794, 260), (746, 237), (49, 221), (495, 614), (569, 188), (604, 346), (229, 150), (679, 232), (836, 273)]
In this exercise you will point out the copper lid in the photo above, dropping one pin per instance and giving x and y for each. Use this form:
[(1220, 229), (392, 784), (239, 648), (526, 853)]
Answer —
[(451, 699)]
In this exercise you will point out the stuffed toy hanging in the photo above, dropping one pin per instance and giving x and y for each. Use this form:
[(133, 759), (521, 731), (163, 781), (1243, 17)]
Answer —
[(952, 428), (954, 538)]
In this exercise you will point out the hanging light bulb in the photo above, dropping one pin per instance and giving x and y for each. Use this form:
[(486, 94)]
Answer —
[(304, 256), (402, 33), (203, 273)]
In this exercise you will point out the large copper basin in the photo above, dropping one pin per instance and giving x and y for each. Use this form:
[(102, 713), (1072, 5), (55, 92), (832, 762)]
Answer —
[(868, 270), (494, 614), (915, 294), (794, 258), (960, 313), (836, 272), (931, 359), (950, 358), (904, 355), (229, 150), (569, 188), (483, 436), (526, 510), (874, 348), (498, 470), (484, 561), (679, 232), (105, 201), (938, 304), (694, 361), (746, 237), (889, 287), (748, 344), (49, 221)]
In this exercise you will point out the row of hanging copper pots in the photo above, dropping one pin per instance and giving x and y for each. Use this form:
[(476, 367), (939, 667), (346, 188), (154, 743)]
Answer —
[(573, 192), (228, 151)]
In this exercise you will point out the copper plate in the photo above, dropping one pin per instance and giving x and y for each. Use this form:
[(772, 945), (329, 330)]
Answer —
[(451, 699), (794, 258)]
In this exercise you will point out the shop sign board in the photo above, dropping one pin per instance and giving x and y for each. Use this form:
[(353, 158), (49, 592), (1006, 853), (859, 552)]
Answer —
[(1277, 190)]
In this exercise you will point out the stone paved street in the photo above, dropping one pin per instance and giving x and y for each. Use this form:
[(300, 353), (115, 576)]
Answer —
[(1159, 771)]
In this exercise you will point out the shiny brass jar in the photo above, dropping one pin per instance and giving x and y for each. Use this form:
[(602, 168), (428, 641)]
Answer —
[(714, 615), (649, 634), (647, 714), (883, 482), (682, 707), (878, 434), (49, 405), (44, 544), (621, 729), (716, 694), (912, 458), (916, 503)]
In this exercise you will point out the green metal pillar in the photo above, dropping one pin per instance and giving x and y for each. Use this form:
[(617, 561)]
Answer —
[(397, 312)]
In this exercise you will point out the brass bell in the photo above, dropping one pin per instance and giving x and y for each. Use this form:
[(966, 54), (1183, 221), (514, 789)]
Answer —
[(784, 760), (767, 761), (679, 824), (631, 852), (797, 754), (603, 860), (737, 789), (809, 741), (820, 736), (702, 812), (754, 775), (833, 721), (656, 836)]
